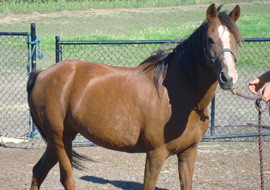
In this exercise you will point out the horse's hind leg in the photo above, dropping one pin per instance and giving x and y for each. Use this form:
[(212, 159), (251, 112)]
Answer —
[(44, 165), (64, 153), (186, 162), (60, 138), (59, 148)]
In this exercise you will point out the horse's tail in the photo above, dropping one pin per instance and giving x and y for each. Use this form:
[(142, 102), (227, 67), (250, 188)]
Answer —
[(31, 80), (30, 85), (75, 156)]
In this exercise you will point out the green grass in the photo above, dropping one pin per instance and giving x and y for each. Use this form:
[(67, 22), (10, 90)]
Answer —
[(44, 6), (133, 24), (24, 7)]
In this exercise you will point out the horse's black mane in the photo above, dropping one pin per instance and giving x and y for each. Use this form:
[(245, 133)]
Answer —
[(189, 52)]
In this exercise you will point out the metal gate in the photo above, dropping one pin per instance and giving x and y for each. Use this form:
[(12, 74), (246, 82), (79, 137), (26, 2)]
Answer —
[(17, 53)]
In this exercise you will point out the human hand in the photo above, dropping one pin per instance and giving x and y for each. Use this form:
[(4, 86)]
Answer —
[(255, 85), (265, 91)]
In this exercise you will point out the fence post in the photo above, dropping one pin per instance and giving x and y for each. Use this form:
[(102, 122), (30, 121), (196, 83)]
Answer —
[(33, 38), (33, 67), (213, 110), (57, 51)]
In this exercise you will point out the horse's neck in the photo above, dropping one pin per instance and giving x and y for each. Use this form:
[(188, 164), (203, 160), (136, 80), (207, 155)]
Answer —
[(204, 90), (201, 91), (209, 90)]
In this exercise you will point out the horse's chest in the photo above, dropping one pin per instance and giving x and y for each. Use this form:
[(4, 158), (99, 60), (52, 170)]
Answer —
[(197, 125), (191, 133)]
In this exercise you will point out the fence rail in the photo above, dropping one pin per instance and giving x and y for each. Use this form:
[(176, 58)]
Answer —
[(230, 116)]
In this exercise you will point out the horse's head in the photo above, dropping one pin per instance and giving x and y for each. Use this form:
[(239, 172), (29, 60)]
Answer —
[(221, 44)]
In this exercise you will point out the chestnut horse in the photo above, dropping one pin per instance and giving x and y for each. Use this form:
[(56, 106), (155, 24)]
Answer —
[(158, 108)]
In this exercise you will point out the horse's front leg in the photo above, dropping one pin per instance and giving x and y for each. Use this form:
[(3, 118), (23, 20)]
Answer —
[(153, 165), (186, 162)]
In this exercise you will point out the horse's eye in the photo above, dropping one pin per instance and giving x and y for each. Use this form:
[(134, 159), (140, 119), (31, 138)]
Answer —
[(210, 40)]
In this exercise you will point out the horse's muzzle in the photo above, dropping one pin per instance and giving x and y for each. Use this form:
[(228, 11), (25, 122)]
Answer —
[(225, 82)]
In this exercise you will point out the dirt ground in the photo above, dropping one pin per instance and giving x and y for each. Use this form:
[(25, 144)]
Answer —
[(220, 165)]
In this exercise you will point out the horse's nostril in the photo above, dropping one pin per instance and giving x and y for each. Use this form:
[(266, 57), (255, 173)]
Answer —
[(223, 77)]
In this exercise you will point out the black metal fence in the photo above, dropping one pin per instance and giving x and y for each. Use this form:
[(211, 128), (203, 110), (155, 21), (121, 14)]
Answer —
[(231, 116), (15, 51), (14, 117)]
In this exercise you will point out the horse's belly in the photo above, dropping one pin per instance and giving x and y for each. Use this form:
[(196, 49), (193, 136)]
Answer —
[(113, 136)]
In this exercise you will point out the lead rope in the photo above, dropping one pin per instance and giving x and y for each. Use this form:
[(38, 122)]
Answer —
[(35, 43), (260, 111)]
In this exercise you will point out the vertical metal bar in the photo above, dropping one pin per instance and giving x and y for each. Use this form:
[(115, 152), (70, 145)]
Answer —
[(213, 110), (60, 52), (57, 51), (33, 62), (28, 46), (33, 38), (28, 55)]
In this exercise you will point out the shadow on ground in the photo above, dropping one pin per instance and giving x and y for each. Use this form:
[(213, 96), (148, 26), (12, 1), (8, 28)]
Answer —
[(119, 184)]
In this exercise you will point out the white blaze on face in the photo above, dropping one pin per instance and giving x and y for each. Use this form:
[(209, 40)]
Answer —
[(224, 35)]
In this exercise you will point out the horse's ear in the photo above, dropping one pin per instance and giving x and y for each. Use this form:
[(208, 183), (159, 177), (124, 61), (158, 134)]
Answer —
[(211, 13), (235, 14)]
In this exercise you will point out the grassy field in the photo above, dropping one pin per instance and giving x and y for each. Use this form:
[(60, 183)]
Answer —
[(164, 23), (29, 6)]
